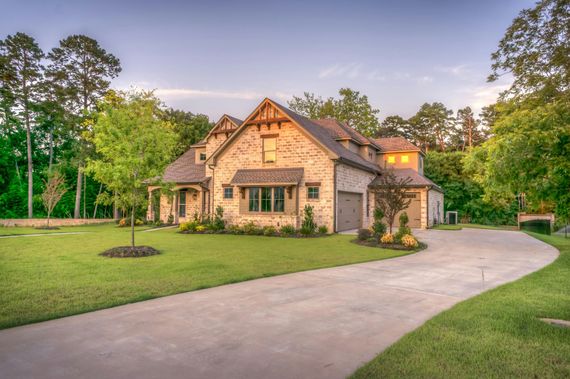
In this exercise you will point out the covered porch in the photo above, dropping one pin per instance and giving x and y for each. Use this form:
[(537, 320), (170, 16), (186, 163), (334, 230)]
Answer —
[(184, 202)]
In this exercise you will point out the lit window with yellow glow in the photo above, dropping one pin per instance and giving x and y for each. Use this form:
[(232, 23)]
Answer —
[(405, 159), (391, 159)]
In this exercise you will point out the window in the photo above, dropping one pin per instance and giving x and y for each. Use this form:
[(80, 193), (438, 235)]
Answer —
[(182, 204), (279, 199), (228, 193), (391, 159), (269, 149), (267, 199), (202, 156), (254, 199), (313, 193), (404, 159)]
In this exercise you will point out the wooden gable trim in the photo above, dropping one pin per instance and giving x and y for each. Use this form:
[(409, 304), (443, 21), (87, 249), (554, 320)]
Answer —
[(269, 135), (312, 184)]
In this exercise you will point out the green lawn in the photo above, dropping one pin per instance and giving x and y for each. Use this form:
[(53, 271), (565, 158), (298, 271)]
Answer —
[(497, 334), (54, 276)]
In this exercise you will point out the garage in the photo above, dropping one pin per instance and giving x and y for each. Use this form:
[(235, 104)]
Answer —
[(349, 211), (413, 211)]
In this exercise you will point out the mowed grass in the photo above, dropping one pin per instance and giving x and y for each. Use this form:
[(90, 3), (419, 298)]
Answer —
[(59, 275), (497, 334), (474, 226)]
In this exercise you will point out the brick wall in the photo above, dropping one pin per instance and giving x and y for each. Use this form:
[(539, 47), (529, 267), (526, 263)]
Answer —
[(433, 212)]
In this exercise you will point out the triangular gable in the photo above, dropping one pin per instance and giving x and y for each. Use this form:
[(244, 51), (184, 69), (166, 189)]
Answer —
[(225, 125), (270, 114)]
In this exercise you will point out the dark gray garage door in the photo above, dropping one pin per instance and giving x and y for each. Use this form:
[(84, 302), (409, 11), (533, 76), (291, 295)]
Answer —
[(349, 211)]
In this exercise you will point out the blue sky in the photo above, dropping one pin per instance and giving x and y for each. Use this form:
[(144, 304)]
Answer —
[(225, 56)]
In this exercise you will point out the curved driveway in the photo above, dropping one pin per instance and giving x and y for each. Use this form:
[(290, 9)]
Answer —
[(318, 324)]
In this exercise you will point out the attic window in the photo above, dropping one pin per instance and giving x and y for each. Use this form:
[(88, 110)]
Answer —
[(391, 159), (269, 149), (202, 156), (405, 159)]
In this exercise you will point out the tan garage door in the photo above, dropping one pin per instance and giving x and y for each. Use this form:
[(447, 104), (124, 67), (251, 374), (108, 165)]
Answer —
[(349, 211), (413, 211)]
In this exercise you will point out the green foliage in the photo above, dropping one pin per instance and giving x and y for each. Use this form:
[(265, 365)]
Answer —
[(352, 108), (269, 230), (432, 126), (308, 226), (378, 226), (218, 223), (364, 234), (190, 226), (252, 229), (403, 228), (535, 51), (188, 127), (287, 230), (134, 147), (323, 229)]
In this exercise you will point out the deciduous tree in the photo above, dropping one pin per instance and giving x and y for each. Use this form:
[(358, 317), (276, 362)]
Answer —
[(54, 190), (390, 195), (134, 147)]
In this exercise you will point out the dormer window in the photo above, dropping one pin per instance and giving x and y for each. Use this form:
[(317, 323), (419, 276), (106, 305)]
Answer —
[(391, 159), (269, 149), (202, 157), (404, 158)]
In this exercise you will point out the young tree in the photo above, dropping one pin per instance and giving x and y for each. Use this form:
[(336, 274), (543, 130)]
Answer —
[(21, 73), (535, 51), (352, 108), (54, 191), (390, 193), (80, 71), (134, 146)]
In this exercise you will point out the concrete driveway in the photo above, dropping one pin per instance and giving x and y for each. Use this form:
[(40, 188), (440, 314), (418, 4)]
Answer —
[(314, 324)]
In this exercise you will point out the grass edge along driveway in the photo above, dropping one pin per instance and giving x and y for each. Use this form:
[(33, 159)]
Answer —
[(48, 277), (496, 334)]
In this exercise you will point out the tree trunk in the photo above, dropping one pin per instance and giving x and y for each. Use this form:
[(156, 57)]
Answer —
[(77, 210), (133, 226), (116, 215), (30, 166), (96, 204), (84, 195), (50, 149), (48, 219)]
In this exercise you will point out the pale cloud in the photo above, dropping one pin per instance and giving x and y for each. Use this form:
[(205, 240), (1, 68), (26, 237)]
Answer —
[(375, 76), (191, 93), (486, 95), (424, 80), (351, 70), (460, 71)]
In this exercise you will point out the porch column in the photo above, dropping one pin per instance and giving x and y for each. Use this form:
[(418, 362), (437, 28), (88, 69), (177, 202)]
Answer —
[(150, 210), (176, 195)]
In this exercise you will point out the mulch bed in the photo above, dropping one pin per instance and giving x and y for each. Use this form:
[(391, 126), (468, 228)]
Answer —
[(393, 246), (130, 252), (277, 234), (46, 228)]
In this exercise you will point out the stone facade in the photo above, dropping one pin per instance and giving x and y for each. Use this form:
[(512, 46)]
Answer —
[(435, 208), (294, 149)]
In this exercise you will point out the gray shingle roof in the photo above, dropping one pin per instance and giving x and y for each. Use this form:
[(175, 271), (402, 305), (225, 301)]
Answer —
[(417, 179), (395, 144), (185, 169), (321, 134), (268, 175)]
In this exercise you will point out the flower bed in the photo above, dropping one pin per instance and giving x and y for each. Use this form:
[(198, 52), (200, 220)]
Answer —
[(403, 240)]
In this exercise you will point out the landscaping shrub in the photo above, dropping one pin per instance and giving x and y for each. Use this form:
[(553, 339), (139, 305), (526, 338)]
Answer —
[(218, 222), (403, 229), (287, 230), (308, 225), (269, 230), (378, 226), (323, 229), (387, 238), (364, 234), (409, 241), (235, 229), (123, 222), (170, 220), (201, 228), (252, 229), (139, 222), (189, 226)]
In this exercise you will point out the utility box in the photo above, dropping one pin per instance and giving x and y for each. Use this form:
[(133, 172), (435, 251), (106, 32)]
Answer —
[(451, 217)]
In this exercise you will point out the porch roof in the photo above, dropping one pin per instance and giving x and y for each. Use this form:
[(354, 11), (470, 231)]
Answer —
[(417, 180), (290, 176)]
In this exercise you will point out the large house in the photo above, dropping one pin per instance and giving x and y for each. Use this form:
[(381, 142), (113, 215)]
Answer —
[(267, 167)]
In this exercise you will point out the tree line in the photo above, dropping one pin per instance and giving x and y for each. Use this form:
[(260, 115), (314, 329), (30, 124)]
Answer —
[(48, 101)]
